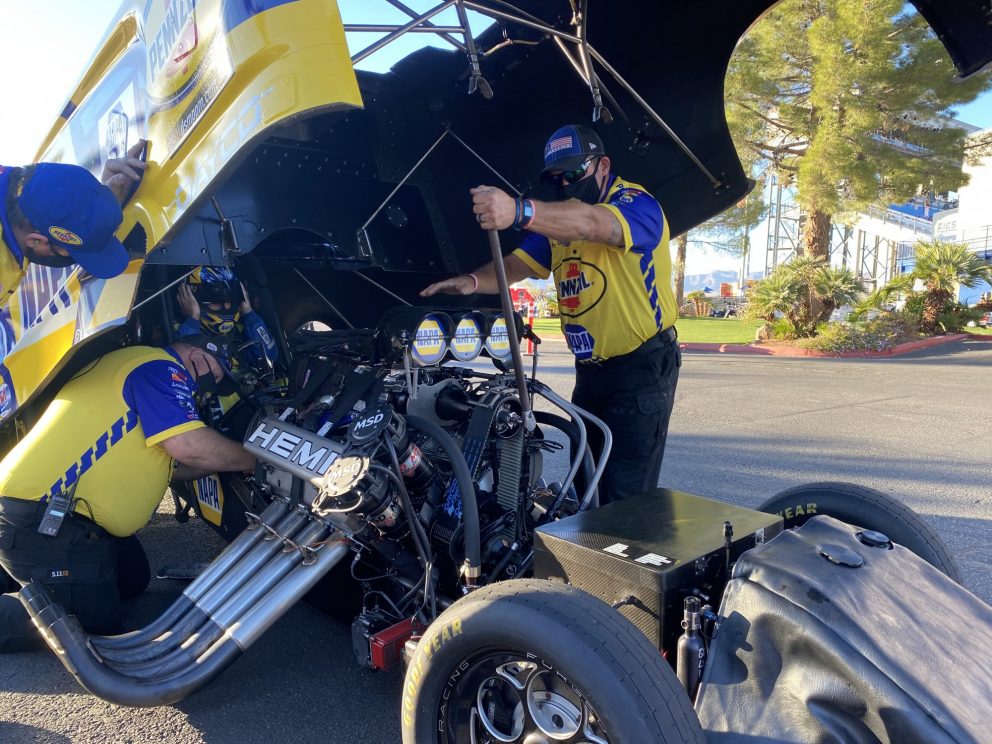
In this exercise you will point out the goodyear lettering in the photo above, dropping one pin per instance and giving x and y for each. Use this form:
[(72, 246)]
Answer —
[(177, 15), (92, 454), (415, 674), (799, 511)]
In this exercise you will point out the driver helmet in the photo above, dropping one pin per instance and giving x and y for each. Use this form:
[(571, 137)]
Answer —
[(218, 293)]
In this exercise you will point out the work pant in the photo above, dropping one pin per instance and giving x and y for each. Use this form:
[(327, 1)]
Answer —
[(85, 569), (633, 394)]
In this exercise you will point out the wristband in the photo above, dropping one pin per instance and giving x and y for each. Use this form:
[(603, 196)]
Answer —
[(528, 212), (475, 286), (518, 209)]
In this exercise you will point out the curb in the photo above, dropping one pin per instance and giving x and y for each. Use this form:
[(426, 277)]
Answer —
[(788, 351)]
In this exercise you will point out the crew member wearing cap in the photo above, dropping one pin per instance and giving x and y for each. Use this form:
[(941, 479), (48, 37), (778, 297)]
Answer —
[(57, 215), (605, 240), (111, 440)]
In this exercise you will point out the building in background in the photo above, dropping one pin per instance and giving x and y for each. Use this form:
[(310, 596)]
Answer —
[(879, 245)]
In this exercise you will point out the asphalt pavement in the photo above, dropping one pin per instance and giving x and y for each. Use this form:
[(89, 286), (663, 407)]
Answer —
[(917, 427)]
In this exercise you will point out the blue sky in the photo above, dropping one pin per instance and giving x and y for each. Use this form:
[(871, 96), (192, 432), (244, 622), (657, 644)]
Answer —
[(70, 30)]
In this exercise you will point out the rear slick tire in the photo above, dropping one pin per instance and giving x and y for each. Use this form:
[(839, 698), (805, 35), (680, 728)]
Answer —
[(863, 507), (530, 660)]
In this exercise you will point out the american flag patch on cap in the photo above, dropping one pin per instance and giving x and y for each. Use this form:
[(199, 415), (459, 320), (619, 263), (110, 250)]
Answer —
[(555, 145)]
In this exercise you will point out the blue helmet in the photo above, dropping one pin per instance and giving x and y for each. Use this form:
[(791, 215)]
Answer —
[(218, 293)]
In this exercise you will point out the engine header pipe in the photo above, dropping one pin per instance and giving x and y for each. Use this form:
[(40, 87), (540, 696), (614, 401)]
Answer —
[(241, 574), (185, 601), (470, 505), (72, 644), (511, 330)]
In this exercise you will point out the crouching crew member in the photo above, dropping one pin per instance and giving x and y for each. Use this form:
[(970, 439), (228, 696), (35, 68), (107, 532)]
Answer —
[(110, 442)]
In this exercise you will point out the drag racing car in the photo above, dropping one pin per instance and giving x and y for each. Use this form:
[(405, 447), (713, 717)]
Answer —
[(412, 473)]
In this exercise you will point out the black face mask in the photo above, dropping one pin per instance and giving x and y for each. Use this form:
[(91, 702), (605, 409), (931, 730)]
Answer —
[(53, 261), (585, 190), (207, 386)]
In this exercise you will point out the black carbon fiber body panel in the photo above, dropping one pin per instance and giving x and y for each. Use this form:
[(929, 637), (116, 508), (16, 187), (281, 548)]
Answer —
[(654, 548)]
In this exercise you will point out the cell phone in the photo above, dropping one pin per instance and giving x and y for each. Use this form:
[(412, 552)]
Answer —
[(143, 157), (55, 513)]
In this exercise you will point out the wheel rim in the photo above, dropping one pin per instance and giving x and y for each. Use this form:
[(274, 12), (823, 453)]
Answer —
[(507, 697)]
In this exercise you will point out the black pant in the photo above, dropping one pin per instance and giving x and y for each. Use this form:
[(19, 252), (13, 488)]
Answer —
[(633, 394), (85, 569)]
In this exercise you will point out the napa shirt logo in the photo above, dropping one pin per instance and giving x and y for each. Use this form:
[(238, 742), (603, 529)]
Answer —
[(64, 236), (580, 288)]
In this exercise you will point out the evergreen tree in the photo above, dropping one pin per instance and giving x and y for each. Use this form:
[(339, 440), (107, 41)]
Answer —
[(845, 98)]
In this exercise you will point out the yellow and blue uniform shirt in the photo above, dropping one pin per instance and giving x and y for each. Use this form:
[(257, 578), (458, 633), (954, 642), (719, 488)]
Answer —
[(611, 299), (104, 429), (12, 263)]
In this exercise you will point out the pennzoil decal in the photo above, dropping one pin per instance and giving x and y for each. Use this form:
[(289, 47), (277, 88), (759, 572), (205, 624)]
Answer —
[(210, 496), (64, 236), (188, 64)]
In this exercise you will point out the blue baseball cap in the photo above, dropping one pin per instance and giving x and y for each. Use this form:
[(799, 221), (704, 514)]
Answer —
[(570, 146), (68, 205)]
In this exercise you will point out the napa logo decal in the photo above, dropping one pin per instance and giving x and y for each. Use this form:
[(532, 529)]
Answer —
[(579, 340), (429, 344), (498, 343), (467, 342), (210, 497), (581, 285), (64, 236)]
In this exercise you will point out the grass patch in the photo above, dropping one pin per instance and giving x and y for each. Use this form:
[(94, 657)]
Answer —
[(691, 330), (716, 330), (979, 331)]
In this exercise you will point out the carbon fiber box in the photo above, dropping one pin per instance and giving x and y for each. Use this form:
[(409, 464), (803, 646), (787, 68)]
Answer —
[(651, 550)]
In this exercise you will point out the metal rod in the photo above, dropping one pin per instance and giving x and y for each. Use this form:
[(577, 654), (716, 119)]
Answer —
[(387, 290), (573, 412), (164, 289), (511, 330), (403, 180), (486, 163), (500, 15), (413, 14), (390, 38), (378, 28), (654, 115), (321, 295)]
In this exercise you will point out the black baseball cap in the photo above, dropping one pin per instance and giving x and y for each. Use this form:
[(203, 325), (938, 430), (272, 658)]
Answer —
[(570, 146)]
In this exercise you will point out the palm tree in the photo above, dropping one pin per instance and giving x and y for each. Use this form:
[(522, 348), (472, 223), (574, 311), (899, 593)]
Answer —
[(806, 291), (942, 267), (834, 287)]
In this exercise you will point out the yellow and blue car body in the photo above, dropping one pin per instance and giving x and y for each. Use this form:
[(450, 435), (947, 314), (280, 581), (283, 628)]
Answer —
[(200, 80)]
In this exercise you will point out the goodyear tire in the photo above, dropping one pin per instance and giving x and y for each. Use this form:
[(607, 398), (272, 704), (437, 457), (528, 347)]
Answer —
[(529, 660), (863, 507)]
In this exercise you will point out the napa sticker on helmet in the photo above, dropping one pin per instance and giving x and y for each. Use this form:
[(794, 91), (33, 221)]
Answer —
[(210, 497), (498, 343), (467, 341), (429, 342), (64, 236)]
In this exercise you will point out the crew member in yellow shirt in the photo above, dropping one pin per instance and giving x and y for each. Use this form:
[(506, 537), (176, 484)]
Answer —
[(605, 241), (111, 440)]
